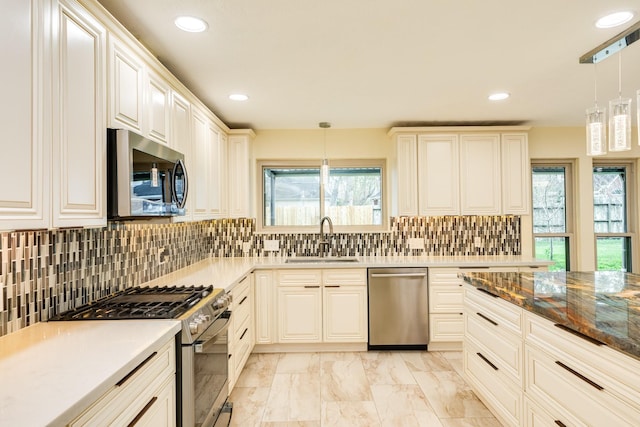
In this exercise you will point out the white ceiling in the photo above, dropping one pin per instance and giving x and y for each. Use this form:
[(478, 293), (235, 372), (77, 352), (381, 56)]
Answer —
[(380, 63)]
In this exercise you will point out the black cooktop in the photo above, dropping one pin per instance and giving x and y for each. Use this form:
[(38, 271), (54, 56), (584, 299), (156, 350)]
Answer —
[(140, 303)]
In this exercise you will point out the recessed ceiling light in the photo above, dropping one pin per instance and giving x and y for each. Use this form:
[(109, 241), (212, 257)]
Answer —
[(499, 96), (614, 19), (238, 97), (190, 24)]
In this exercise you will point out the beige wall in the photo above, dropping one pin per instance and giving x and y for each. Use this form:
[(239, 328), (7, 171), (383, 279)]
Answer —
[(544, 143)]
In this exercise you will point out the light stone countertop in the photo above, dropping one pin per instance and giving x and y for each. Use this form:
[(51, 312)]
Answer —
[(225, 273), (51, 372)]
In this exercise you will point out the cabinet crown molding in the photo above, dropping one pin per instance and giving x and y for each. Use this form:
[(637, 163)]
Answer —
[(450, 129)]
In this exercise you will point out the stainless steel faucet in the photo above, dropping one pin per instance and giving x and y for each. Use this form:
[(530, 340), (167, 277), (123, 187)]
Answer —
[(323, 244)]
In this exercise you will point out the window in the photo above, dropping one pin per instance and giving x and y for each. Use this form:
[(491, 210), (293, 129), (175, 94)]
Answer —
[(294, 195), (610, 217), (552, 219)]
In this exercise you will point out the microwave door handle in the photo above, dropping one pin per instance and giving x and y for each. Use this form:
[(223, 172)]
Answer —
[(185, 186)]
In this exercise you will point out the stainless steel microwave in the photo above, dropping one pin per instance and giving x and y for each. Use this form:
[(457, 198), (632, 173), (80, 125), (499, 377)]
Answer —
[(144, 178)]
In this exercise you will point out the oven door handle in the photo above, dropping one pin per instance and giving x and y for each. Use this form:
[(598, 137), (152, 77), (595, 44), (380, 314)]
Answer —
[(219, 326)]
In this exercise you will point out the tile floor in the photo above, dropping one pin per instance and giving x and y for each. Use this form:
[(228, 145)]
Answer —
[(356, 389)]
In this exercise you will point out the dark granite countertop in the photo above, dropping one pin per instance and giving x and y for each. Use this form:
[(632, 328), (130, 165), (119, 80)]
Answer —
[(604, 305)]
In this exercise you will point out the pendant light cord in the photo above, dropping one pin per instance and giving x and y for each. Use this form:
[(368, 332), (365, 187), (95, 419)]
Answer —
[(595, 82), (620, 74)]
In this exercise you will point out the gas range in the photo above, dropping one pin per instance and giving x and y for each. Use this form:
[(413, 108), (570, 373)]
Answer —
[(197, 307)]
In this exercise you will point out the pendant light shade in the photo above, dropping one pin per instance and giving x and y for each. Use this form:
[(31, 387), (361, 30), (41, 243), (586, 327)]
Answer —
[(324, 168), (596, 131), (620, 124)]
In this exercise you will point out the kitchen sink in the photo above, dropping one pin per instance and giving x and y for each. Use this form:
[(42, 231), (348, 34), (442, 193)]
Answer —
[(328, 259)]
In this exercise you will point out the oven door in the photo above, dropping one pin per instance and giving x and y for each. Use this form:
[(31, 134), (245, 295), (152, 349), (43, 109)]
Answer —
[(205, 381)]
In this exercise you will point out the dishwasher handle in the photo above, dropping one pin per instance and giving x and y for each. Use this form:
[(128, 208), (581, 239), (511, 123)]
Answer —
[(398, 274)]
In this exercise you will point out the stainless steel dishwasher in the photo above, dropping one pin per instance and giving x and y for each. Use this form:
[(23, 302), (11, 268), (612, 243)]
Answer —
[(398, 308)]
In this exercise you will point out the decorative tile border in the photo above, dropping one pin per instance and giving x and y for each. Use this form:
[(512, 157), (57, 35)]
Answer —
[(43, 273)]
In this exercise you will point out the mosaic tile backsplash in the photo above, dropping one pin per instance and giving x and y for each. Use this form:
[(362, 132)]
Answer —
[(43, 273)]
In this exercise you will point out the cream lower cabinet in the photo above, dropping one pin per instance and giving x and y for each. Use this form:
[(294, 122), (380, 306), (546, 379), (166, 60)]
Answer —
[(265, 307), (241, 331), (317, 306), (146, 395)]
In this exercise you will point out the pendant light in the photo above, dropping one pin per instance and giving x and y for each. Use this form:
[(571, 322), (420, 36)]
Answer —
[(596, 124), (620, 117), (324, 168)]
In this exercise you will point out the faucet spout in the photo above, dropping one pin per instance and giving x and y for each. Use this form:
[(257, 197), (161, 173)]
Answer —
[(323, 243)]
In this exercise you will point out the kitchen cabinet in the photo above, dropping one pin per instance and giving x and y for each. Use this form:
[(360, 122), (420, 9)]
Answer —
[(438, 180), (241, 332), (461, 171), (79, 137), (218, 170), (493, 353), (265, 307), (158, 106), (239, 172), (446, 305), (317, 306), (147, 394), (181, 141), (24, 195), (199, 169), (480, 174), (126, 90)]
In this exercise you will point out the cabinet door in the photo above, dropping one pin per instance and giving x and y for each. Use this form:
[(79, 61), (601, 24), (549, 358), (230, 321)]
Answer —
[(265, 307), (126, 73), (438, 181), (299, 314), (161, 410), (344, 313), (480, 174), (407, 170), (24, 172), (239, 176), (446, 327), (158, 109), (199, 191), (218, 173), (79, 148), (181, 141), (515, 174)]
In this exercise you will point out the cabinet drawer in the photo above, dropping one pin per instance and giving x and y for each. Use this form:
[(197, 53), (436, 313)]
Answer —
[(347, 276), (550, 379), (498, 392), (241, 290), (242, 346), (443, 275), (617, 372), (495, 341), (299, 277), (536, 416), (133, 391), (447, 327), (500, 311), (241, 313), (446, 298)]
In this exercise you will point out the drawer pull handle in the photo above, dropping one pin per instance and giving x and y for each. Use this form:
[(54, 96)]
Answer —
[(332, 286), (480, 267), (487, 360), (311, 287), (560, 423), (243, 300), (488, 293), (487, 319), (579, 334), (143, 411), (136, 369), (229, 356), (243, 334), (579, 375)]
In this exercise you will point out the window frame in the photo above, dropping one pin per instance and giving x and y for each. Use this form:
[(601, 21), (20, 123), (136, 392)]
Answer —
[(261, 164), (630, 209), (569, 233)]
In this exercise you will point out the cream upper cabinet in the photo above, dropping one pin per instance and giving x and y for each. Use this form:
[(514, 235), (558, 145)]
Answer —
[(239, 173), (158, 108), (126, 84), (218, 172), (79, 147), (181, 141), (199, 169), (438, 180), (516, 174), (480, 174), (407, 175), (24, 147)]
